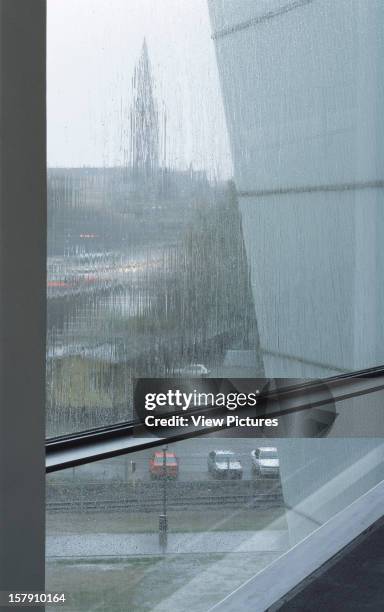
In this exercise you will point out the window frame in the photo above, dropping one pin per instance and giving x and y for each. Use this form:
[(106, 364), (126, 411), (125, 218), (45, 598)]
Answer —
[(23, 294)]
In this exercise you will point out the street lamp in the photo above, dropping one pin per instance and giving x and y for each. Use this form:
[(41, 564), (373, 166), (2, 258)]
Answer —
[(163, 519)]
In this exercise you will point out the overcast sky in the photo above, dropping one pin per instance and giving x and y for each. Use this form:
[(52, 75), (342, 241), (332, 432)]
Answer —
[(93, 46)]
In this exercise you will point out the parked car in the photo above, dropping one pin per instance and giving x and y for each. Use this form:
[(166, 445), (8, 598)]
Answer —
[(156, 465), (265, 462), (193, 370), (224, 464)]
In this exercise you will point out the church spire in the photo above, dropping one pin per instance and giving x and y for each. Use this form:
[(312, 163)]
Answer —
[(144, 117)]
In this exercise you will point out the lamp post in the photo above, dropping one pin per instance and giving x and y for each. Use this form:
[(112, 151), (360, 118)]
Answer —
[(163, 519)]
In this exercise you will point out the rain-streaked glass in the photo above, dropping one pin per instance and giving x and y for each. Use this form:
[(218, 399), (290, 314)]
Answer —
[(214, 195), (215, 198), (147, 267)]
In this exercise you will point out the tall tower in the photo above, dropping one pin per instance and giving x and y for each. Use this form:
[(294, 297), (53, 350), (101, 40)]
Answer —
[(144, 120)]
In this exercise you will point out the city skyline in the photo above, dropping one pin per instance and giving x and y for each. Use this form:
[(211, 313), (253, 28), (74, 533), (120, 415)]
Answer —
[(89, 83)]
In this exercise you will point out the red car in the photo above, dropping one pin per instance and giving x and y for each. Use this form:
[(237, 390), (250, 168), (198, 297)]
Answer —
[(156, 465)]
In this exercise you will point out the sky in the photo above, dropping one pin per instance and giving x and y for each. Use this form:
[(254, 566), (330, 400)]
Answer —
[(92, 48)]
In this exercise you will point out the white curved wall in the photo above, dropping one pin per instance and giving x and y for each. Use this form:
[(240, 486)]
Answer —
[(304, 91)]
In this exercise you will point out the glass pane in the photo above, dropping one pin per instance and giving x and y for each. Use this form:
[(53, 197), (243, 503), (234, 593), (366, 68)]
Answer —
[(147, 268), (214, 209), (214, 195), (106, 547)]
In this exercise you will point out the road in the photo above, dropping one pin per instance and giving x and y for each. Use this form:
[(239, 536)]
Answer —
[(75, 275), (192, 456)]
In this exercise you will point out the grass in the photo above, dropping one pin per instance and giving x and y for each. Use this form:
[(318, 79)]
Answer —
[(140, 584)]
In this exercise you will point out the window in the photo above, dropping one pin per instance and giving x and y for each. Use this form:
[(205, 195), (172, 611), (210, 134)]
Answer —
[(203, 214), (169, 460), (147, 266), (215, 209), (268, 453)]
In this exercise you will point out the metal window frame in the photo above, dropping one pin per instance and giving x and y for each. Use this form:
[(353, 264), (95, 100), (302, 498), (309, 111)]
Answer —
[(22, 294), (105, 442)]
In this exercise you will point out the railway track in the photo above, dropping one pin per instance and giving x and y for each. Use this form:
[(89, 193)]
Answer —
[(149, 503)]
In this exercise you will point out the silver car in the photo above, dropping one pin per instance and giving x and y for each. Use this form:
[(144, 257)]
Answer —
[(192, 370), (224, 464), (265, 462)]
